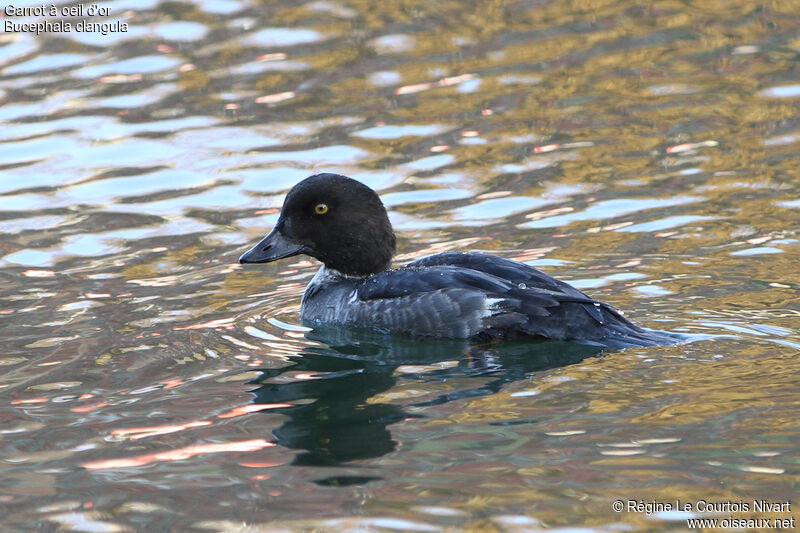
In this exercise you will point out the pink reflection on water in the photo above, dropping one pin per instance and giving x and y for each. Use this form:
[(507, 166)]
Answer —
[(151, 431), (688, 147), (29, 400), (39, 273), (252, 408), (254, 464), (88, 408), (275, 98), (179, 454), (279, 56), (172, 383), (546, 148), (444, 82), (496, 194)]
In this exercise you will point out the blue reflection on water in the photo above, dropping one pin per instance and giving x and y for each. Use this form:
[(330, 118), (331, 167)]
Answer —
[(610, 209), (664, 223), (134, 65), (47, 62), (282, 37), (181, 31), (496, 208), (395, 132)]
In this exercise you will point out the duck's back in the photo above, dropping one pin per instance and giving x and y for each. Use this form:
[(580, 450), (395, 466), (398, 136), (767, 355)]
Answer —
[(471, 295)]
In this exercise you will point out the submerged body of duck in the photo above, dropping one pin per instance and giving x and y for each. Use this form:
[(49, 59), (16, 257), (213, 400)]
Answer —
[(462, 295)]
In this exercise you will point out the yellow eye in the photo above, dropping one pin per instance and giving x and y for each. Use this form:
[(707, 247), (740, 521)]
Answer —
[(321, 209)]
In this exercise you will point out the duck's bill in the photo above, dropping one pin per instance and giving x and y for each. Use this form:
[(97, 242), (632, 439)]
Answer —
[(274, 246)]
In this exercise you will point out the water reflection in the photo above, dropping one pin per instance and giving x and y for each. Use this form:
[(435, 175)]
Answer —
[(335, 418)]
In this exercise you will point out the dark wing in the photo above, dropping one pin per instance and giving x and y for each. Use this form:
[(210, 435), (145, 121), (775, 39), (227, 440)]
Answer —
[(553, 308), (441, 301), (513, 271), (454, 301), (412, 280), (517, 273)]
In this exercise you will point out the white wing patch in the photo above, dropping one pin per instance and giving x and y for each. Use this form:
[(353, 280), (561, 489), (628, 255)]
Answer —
[(491, 306)]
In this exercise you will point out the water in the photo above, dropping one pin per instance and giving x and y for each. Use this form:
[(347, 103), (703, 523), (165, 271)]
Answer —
[(646, 154)]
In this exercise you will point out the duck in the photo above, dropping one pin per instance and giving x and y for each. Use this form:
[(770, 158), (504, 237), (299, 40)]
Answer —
[(470, 295)]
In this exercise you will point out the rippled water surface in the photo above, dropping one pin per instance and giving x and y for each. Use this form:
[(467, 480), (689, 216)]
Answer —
[(645, 152)]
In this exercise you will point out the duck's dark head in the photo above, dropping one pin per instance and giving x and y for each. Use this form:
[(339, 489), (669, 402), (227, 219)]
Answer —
[(335, 219)]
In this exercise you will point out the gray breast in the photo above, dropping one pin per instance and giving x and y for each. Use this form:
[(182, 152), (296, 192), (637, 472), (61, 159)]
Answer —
[(451, 312)]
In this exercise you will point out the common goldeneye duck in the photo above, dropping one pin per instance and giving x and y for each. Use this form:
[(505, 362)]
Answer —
[(462, 295)]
